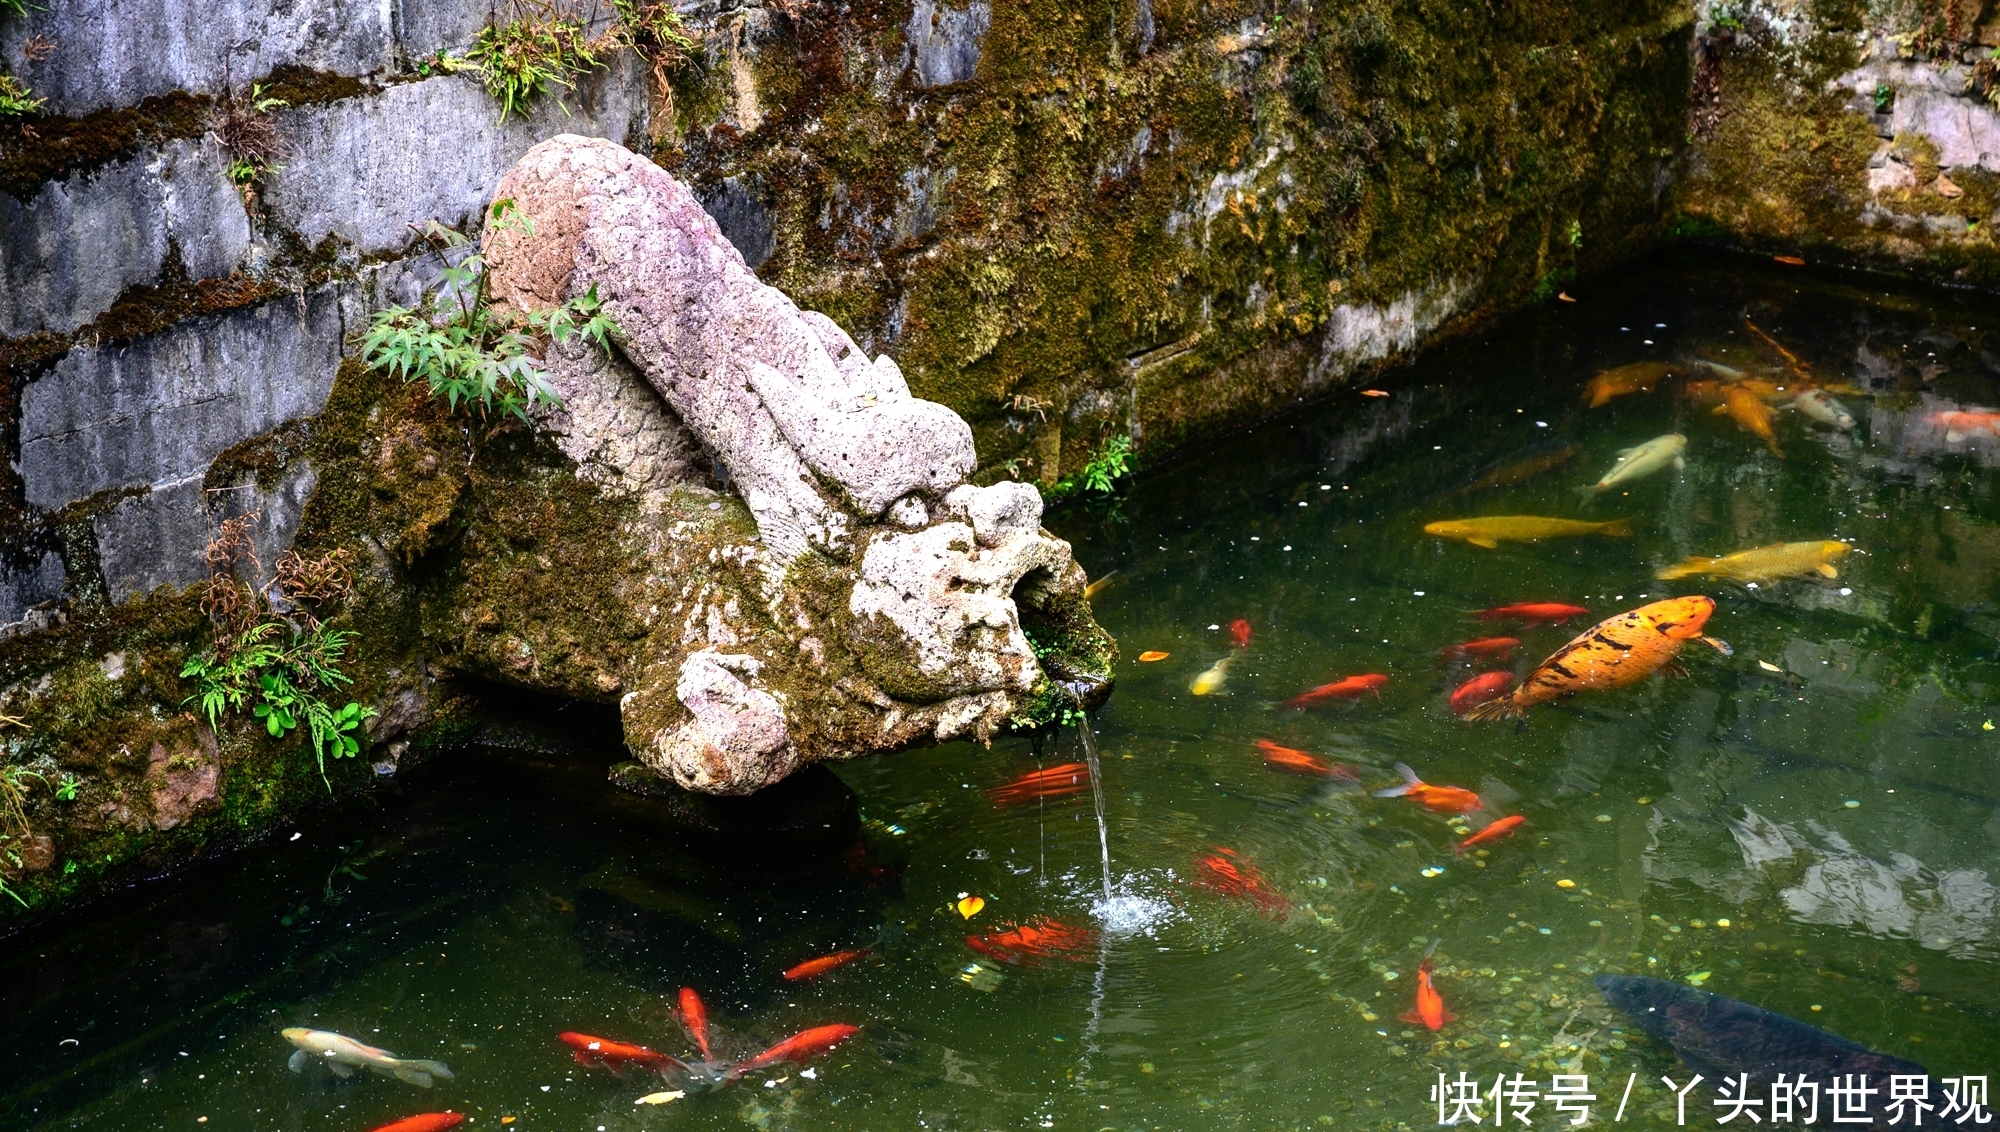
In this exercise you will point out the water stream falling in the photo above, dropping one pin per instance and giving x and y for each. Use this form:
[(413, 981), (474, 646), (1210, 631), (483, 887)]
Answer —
[(1089, 740)]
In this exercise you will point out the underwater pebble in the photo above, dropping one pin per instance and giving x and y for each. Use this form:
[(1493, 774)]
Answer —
[(1565, 883), (1722, 923), (1604, 817), (1852, 804)]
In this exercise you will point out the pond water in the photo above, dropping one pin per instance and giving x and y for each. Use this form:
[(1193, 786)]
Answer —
[(1809, 824)]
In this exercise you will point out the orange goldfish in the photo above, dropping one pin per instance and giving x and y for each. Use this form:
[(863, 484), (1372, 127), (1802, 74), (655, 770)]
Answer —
[(1634, 378), (1035, 940), (1788, 260), (1751, 414), (590, 1050), (1494, 832), (1443, 799), (1239, 633), (694, 1019), (813, 968), (1055, 782), (1298, 762), (424, 1122), (1797, 365), (1430, 1004), (1479, 689), (798, 1047), (1230, 875), (1151, 655), (1614, 653), (1531, 612), (1348, 689), (1485, 648), (1958, 426)]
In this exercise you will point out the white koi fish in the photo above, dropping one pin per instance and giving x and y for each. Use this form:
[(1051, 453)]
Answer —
[(343, 1055), (1643, 460)]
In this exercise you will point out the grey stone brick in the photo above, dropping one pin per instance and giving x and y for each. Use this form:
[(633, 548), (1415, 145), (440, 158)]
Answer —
[(163, 407), (68, 252)]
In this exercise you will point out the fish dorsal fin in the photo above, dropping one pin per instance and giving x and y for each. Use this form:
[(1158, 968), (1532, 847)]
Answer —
[(1485, 543)]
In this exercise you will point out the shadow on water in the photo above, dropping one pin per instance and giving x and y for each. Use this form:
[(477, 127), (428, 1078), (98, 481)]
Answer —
[(652, 889)]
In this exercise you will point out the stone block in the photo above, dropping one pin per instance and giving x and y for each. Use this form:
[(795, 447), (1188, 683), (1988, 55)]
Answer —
[(153, 540), (36, 579), (945, 42), (117, 52), (364, 169), (69, 251), (161, 408)]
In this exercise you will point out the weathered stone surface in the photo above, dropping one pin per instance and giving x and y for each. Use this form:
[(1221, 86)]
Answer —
[(153, 539), (833, 631), (159, 409), (1361, 333), (945, 41), (70, 250), (35, 580), (117, 52), (738, 209), (364, 169)]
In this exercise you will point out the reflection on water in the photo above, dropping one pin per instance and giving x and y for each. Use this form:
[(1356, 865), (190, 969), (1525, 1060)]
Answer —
[(1809, 825)]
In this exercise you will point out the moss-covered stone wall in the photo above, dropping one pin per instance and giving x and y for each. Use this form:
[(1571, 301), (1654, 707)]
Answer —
[(1164, 220), (1864, 132)]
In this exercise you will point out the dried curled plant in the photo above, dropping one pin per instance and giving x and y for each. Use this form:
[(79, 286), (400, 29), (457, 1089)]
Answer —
[(231, 604), (313, 584)]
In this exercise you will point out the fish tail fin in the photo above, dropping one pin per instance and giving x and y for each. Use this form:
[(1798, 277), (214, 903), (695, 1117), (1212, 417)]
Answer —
[(1617, 528), (1719, 645), (1684, 568), (1588, 492), (408, 1076), (1457, 849), (1410, 782), (1432, 949), (434, 1068), (1409, 1016), (1502, 707)]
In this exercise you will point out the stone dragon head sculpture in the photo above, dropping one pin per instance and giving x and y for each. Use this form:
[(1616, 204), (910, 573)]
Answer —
[(881, 600)]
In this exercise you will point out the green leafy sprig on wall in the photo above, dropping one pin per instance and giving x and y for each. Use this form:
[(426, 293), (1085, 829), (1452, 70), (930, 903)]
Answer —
[(466, 352), (545, 45), (278, 664), (1111, 462)]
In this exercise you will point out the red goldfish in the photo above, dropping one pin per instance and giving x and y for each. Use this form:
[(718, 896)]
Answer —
[(1443, 799), (1958, 426), (1430, 1004), (1479, 689), (1350, 688), (1039, 939), (424, 1122), (1298, 762), (1494, 832), (813, 968), (590, 1050), (694, 1019), (1230, 875), (1532, 612), (798, 1047), (1055, 782), (1485, 648), (1239, 633)]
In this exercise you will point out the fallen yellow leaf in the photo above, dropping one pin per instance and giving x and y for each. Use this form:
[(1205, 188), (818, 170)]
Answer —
[(1374, 393), (655, 1098), (1150, 656), (970, 906)]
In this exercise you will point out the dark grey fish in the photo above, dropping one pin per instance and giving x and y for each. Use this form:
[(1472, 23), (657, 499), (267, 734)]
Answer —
[(1520, 466), (1720, 1038)]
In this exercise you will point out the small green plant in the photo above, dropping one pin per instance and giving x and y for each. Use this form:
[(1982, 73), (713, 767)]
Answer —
[(1574, 234), (1101, 473), (16, 100), (15, 781), (1885, 97), (279, 667), (466, 352), (18, 7), (66, 788), (244, 131), (541, 47)]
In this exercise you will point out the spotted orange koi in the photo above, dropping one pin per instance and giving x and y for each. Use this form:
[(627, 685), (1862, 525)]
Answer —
[(1613, 653)]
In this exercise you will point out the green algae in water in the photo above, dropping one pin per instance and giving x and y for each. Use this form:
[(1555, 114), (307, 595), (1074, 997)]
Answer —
[(1694, 828)]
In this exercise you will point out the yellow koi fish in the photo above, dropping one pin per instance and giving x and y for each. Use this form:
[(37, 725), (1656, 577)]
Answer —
[(1751, 414), (1614, 653), (1634, 378), (1213, 678), (1765, 563), (1492, 531)]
